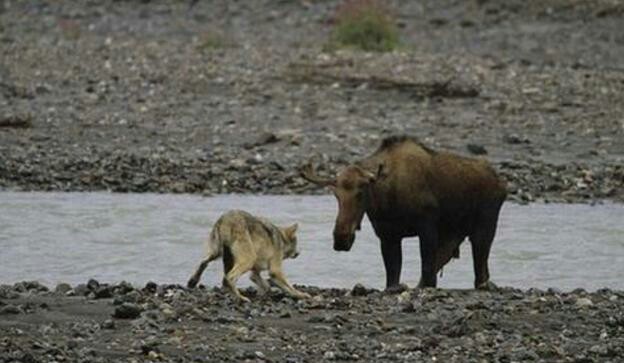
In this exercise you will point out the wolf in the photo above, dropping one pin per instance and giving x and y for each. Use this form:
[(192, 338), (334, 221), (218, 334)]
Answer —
[(250, 243)]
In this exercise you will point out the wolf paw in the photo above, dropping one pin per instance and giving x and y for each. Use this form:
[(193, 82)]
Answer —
[(243, 299)]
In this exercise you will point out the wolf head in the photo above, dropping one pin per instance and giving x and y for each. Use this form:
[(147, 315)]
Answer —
[(290, 241)]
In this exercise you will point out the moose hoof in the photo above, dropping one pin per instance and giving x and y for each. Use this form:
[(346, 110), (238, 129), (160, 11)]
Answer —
[(191, 283), (487, 286), (395, 289)]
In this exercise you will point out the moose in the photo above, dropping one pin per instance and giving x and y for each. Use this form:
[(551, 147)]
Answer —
[(408, 189)]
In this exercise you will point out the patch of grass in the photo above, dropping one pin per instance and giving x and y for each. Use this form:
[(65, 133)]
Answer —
[(213, 40), (364, 24)]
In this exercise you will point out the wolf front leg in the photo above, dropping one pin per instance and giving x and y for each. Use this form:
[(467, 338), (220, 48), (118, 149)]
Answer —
[(262, 284), (277, 277)]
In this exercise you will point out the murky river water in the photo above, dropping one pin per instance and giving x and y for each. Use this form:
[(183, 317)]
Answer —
[(71, 237)]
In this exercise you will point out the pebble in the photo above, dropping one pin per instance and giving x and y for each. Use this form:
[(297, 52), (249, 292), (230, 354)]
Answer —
[(584, 302)]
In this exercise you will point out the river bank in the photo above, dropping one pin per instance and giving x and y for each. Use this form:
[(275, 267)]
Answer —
[(98, 322)]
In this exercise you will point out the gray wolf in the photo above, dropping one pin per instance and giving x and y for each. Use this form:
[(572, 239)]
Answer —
[(250, 243)]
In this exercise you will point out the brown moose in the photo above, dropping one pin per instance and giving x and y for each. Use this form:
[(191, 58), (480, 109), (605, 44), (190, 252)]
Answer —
[(408, 189)]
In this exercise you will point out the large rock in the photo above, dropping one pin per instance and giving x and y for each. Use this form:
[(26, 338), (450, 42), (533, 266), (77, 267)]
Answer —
[(127, 311)]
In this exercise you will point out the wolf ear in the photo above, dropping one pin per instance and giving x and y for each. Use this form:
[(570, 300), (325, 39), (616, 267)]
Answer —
[(291, 230)]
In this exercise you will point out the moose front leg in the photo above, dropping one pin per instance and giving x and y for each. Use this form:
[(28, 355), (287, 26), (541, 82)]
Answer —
[(392, 254), (428, 254)]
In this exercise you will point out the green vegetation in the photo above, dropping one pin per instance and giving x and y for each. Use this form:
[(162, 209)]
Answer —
[(213, 40), (365, 25)]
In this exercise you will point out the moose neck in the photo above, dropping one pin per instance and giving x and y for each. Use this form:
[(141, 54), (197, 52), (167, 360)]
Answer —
[(373, 202)]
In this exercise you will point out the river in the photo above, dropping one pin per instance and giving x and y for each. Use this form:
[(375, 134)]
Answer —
[(72, 237)]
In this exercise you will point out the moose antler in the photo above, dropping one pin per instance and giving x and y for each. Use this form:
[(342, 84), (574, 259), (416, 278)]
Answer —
[(307, 172)]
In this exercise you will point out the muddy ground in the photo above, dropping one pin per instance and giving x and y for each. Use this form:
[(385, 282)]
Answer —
[(233, 96), (96, 322)]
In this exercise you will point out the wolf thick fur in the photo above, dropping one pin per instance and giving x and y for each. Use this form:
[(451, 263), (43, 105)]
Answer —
[(249, 243)]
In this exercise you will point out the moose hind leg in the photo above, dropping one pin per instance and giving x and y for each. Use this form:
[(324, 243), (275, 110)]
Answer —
[(481, 243)]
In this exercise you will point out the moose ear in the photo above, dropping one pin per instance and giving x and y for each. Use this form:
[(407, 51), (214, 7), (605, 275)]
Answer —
[(372, 178), (381, 172)]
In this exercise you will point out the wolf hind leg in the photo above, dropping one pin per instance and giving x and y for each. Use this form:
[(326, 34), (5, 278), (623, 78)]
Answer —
[(210, 256), (243, 261)]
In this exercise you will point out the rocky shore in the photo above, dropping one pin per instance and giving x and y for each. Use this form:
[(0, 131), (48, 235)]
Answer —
[(98, 322), (154, 96)]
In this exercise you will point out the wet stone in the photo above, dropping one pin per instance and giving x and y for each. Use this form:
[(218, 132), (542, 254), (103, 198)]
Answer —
[(103, 292), (108, 324), (62, 288), (476, 149), (93, 284), (127, 311), (10, 310), (359, 290)]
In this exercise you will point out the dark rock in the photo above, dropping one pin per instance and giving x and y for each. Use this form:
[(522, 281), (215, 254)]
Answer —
[(26, 286), (396, 289), (103, 292), (62, 288), (264, 138), (93, 284), (476, 149), (467, 23), (408, 307), (16, 121), (81, 290), (123, 288), (515, 139), (438, 21), (108, 324), (359, 290), (127, 311), (10, 310), (132, 297), (150, 287)]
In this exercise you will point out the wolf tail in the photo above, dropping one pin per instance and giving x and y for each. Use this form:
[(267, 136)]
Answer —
[(213, 250)]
